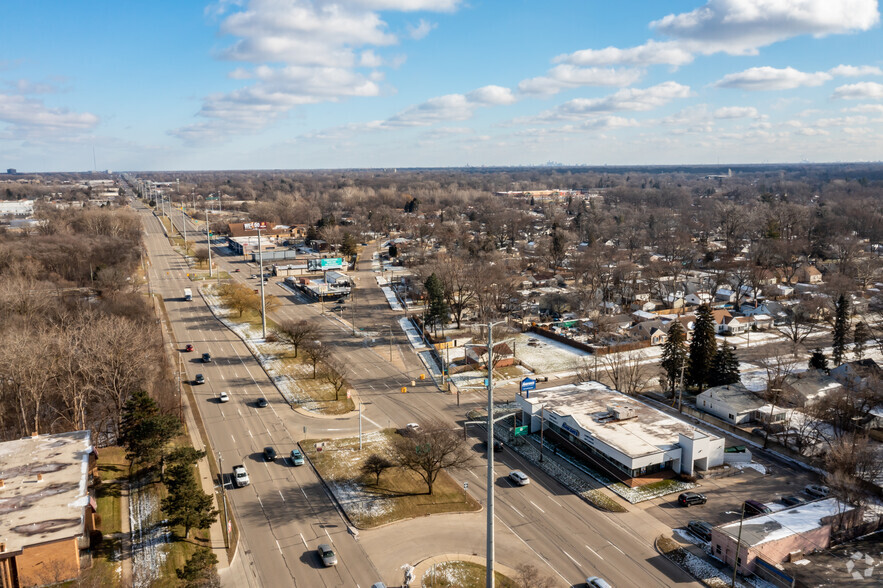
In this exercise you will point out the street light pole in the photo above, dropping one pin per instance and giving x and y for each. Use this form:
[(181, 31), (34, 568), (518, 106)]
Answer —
[(224, 493), (261, 273), (489, 578), (208, 239)]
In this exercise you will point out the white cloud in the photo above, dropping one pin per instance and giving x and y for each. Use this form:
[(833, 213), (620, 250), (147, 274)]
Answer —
[(866, 109), (852, 71), (650, 53), (422, 29), (771, 78), (24, 86), (811, 132), (609, 122), (860, 91), (631, 99), (565, 76), (370, 59), (28, 117), (491, 96), (742, 26), (736, 112)]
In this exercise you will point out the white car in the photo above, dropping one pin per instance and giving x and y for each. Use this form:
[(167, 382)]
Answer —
[(240, 476), (412, 427), (519, 478), (223, 397)]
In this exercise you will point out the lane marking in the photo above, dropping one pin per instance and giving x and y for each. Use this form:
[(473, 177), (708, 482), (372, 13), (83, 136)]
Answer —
[(616, 548), (516, 510), (249, 434), (280, 496), (571, 558), (553, 500), (329, 536), (537, 507), (304, 540), (279, 547), (595, 552)]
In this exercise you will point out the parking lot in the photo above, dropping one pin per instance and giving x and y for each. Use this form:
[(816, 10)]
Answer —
[(725, 495)]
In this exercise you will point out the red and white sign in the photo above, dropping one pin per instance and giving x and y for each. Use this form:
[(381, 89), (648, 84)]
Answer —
[(254, 226)]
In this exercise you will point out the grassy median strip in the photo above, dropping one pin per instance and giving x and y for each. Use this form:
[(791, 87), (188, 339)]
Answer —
[(398, 494), (462, 574)]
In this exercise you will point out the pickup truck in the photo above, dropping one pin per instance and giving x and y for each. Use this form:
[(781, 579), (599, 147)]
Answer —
[(240, 476), (188, 294)]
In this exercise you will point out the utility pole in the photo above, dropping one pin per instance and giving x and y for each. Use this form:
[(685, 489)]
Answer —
[(489, 578), (766, 437), (542, 429), (184, 224), (208, 239), (261, 276), (224, 492), (738, 545)]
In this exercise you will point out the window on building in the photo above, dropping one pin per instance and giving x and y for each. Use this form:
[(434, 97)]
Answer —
[(717, 548), (739, 561), (732, 417)]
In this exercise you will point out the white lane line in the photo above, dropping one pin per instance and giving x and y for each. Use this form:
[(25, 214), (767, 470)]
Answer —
[(239, 411), (537, 507), (470, 471), (571, 559), (553, 500), (616, 548), (304, 492), (372, 422), (261, 502), (595, 552), (304, 540), (280, 496), (516, 510), (232, 437), (279, 547), (329, 536), (249, 434), (222, 377)]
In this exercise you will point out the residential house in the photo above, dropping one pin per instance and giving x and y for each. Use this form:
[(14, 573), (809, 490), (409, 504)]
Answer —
[(767, 540), (46, 513), (721, 317), (697, 298), (761, 322), (859, 374), (808, 274), (736, 325), (503, 355), (733, 403), (725, 295), (654, 331), (809, 387)]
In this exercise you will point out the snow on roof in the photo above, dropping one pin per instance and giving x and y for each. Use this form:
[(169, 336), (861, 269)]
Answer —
[(737, 397), (650, 431), (35, 511), (787, 522)]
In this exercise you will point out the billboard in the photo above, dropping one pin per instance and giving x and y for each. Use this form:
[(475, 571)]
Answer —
[(326, 263), (254, 226)]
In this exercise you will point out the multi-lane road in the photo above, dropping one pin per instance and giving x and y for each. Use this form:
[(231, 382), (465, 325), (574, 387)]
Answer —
[(285, 512)]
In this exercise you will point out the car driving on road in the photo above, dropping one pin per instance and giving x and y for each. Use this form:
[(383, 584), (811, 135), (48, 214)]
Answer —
[(519, 478), (269, 454), (240, 476), (206, 358), (297, 458), (223, 397), (199, 379), (691, 498), (327, 555)]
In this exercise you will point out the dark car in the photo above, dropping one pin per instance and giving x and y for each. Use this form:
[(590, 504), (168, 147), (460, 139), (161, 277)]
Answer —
[(199, 379), (701, 529), (188, 347), (498, 446), (754, 508), (269, 454), (691, 498), (262, 403), (792, 500), (206, 358)]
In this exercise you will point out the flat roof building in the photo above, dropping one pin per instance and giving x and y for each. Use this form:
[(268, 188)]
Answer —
[(626, 438), (46, 513)]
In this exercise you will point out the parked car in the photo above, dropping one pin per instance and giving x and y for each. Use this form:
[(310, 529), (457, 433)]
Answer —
[(817, 490), (754, 508), (237, 270), (240, 476), (327, 555), (188, 347), (691, 498), (262, 403), (519, 478), (792, 500), (596, 582), (199, 379), (223, 397), (206, 358), (297, 458), (701, 529), (269, 454), (498, 446)]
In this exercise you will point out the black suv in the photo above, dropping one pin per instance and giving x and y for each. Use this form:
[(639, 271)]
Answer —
[(199, 379), (701, 529), (206, 358), (690, 498), (269, 454)]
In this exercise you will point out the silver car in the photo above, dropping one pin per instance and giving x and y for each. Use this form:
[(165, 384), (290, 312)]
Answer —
[(327, 556), (519, 478)]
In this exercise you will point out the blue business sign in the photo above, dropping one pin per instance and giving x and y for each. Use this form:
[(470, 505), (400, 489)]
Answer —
[(326, 263), (570, 430), (528, 384)]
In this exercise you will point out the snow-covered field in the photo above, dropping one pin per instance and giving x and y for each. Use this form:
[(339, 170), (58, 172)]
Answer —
[(150, 536)]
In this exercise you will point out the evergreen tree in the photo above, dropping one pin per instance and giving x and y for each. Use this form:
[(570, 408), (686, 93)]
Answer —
[(187, 504), (144, 430), (674, 354), (841, 326), (702, 348), (199, 571), (860, 336), (725, 367), (818, 361), (436, 307)]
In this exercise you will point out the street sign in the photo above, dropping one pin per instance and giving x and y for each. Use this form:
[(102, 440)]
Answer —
[(528, 384), (229, 527), (520, 431)]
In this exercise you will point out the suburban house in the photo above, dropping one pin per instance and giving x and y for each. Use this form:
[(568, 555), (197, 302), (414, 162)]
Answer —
[(736, 325), (503, 355), (761, 322), (725, 295), (654, 331), (622, 437), (771, 539), (733, 403), (721, 317), (807, 388), (859, 374), (772, 309), (46, 512), (697, 298), (807, 274)]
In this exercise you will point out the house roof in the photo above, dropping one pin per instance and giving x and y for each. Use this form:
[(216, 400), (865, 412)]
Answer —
[(737, 397), (785, 523), (720, 314), (812, 384), (240, 230), (34, 511)]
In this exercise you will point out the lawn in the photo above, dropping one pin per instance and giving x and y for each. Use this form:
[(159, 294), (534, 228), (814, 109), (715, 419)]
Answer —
[(462, 574), (400, 494), (112, 470)]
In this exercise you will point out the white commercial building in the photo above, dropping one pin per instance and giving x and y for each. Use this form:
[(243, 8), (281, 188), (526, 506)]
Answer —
[(626, 437), (16, 207)]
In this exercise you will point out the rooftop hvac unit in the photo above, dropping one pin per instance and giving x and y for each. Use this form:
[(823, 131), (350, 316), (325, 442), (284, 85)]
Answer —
[(621, 412)]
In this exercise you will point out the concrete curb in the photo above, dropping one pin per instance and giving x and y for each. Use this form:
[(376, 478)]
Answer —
[(424, 565)]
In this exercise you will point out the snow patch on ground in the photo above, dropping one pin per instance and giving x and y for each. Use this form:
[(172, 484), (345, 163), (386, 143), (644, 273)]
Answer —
[(150, 536), (751, 465), (685, 536)]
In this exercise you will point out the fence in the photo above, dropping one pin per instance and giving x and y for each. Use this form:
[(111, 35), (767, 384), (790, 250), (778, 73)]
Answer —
[(767, 571)]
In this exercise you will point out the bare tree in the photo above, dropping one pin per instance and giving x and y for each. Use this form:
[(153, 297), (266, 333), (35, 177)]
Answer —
[(529, 577), (334, 372), (295, 332), (624, 371), (316, 353), (375, 465), (433, 448)]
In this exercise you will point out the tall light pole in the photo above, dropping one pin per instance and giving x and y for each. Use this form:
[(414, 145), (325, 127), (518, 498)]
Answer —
[(208, 239), (261, 276), (489, 579)]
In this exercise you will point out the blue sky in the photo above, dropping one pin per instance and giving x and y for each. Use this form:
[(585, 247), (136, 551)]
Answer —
[(257, 84)]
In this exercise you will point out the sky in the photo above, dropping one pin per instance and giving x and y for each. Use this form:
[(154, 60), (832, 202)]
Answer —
[(305, 84)]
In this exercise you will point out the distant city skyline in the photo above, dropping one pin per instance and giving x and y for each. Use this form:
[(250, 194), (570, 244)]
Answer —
[(299, 84)]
